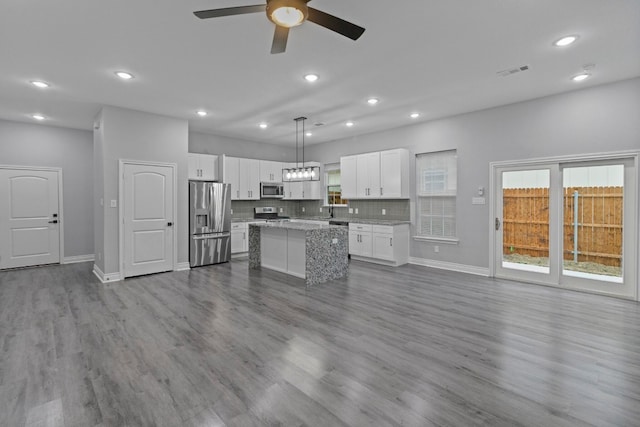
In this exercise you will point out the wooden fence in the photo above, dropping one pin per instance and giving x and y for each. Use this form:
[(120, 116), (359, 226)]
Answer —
[(599, 232)]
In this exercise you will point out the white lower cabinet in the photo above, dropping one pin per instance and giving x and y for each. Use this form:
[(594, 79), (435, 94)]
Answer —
[(383, 244), (360, 240), (240, 236)]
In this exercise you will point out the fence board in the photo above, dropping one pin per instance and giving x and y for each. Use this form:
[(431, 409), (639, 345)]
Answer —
[(526, 223)]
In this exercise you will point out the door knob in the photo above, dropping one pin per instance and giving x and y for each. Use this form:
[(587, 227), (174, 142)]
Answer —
[(497, 224), (169, 224), (55, 221)]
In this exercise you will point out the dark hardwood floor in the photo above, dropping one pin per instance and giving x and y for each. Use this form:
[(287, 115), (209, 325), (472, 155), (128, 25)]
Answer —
[(224, 345)]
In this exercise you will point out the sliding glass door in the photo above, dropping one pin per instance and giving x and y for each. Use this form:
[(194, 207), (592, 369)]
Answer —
[(568, 224)]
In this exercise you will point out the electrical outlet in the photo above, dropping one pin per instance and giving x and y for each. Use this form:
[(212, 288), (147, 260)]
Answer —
[(281, 210), (320, 210), (303, 209), (231, 211), (356, 211), (384, 211), (436, 249), (350, 210), (114, 203)]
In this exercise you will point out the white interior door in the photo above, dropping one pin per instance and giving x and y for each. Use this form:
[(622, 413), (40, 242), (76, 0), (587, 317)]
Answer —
[(148, 210), (29, 218)]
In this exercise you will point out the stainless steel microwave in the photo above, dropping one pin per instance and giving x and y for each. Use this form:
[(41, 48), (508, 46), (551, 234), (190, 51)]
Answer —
[(271, 190)]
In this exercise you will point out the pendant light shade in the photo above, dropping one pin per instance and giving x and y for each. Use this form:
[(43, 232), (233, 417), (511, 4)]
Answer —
[(301, 173)]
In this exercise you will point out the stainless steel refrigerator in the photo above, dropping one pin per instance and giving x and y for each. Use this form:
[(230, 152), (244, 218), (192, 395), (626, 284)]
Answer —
[(209, 223)]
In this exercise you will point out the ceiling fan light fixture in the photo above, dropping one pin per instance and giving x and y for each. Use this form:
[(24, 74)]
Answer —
[(287, 13)]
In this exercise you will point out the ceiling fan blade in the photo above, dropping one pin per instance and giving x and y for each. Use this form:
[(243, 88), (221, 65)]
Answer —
[(280, 39), (336, 24), (228, 11)]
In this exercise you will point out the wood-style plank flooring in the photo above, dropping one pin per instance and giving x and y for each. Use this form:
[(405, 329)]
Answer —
[(225, 345)]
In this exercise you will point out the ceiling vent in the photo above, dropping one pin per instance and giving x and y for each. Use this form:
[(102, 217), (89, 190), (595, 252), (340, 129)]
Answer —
[(318, 124), (511, 71)]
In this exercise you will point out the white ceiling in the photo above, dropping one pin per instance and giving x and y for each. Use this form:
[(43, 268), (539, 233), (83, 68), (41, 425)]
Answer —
[(437, 57)]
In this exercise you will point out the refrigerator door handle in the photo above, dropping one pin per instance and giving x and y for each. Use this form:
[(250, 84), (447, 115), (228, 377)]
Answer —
[(211, 236)]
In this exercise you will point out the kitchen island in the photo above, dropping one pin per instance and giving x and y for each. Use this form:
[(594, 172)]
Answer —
[(314, 252)]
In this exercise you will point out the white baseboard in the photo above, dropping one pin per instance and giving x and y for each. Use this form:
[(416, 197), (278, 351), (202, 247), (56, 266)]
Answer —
[(106, 278), (78, 258), (182, 266), (452, 266)]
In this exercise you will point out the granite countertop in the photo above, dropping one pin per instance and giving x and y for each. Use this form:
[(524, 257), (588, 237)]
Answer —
[(302, 226), (376, 221), (347, 220)]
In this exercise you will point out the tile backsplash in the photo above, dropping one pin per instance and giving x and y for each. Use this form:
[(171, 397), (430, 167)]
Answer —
[(397, 210)]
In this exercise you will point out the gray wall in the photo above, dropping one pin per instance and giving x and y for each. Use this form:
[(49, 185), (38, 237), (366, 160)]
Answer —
[(134, 135), (25, 144), (213, 144), (597, 119)]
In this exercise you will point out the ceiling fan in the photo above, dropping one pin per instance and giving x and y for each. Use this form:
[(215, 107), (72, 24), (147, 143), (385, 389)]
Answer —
[(286, 14)]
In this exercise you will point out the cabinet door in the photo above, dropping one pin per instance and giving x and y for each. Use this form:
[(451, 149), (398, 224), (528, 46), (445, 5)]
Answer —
[(293, 190), (208, 167), (232, 176), (270, 171), (368, 175), (238, 240), (348, 177), (249, 179), (365, 244), (312, 190), (354, 243), (394, 172), (193, 169), (383, 246)]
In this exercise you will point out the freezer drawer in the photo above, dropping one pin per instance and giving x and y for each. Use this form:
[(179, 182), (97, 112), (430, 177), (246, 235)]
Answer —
[(208, 249)]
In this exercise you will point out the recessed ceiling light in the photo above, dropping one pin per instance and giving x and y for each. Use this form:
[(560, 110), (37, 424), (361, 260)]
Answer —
[(311, 77), (38, 116), (349, 124), (580, 77), (308, 134), (40, 84), (373, 101), (201, 113), (124, 75), (414, 115), (263, 125), (565, 41)]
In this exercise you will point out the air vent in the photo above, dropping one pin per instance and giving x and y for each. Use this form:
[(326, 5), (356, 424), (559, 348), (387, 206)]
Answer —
[(511, 71), (318, 124)]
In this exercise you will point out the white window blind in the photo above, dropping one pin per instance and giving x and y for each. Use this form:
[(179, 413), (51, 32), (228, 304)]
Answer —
[(436, 188)]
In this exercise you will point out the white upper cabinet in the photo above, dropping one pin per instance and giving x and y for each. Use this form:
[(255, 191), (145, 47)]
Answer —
[(202, 167), (348, 166), (377, 175), (368, 176), (270, 171), (394, 174), (244, 177)]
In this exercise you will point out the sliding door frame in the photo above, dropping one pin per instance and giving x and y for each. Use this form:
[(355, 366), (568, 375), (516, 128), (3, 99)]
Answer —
[(495, 167)]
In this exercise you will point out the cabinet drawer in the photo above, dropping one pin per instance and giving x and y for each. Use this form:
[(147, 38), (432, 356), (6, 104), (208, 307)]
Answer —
[(359, 227), (383, 229), (238, 226)]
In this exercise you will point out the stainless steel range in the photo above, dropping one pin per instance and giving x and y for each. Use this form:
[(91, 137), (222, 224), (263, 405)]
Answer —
[(269, 213)]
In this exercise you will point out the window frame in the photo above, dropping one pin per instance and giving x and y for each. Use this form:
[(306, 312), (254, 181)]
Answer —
[(329, 168), (443, 192)]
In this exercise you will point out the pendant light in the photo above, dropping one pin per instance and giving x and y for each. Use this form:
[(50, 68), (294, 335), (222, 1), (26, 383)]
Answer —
[(301, 173)]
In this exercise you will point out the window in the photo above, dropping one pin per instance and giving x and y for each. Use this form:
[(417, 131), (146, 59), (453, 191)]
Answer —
[(333, 190), (436, 188)]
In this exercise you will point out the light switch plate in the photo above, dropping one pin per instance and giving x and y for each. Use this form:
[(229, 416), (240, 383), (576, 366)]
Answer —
[(356, 211), (384, 211), (114, 204), (303, 209), (350, 210)]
